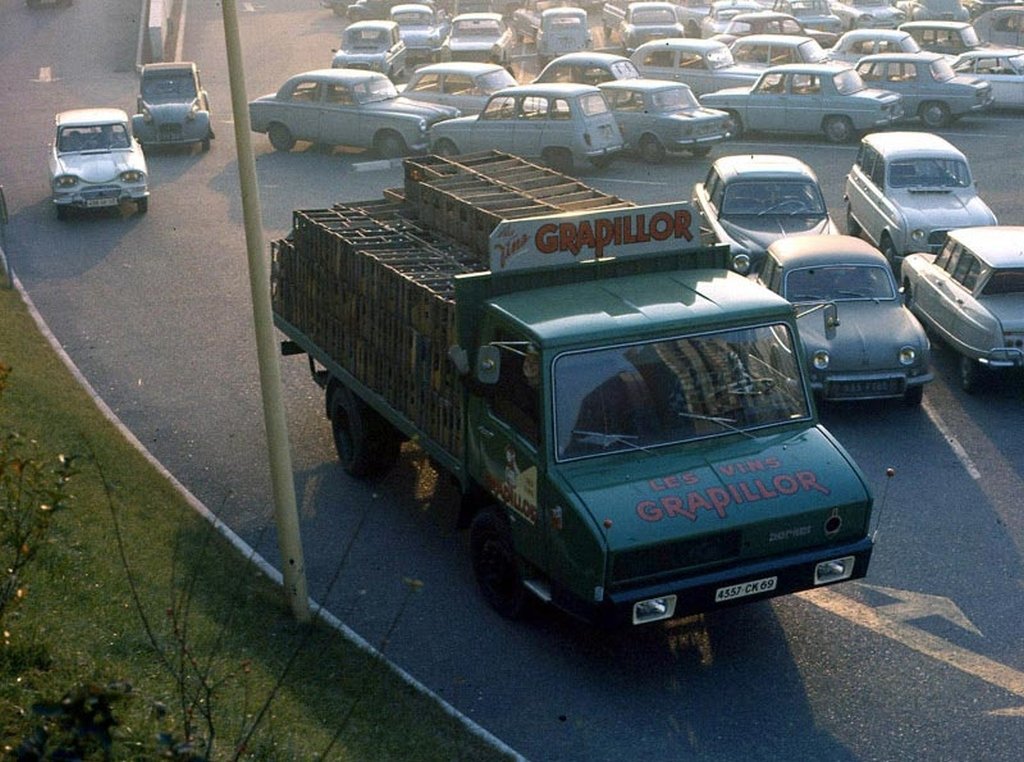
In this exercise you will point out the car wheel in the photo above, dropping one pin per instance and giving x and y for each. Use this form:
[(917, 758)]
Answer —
[(913, 396), (366, 444), (971, 374), (693, 30), (204, 144), (63, 212), (699, 151), (651, 150), (445, 147), (558, 159), (603, 162), (852, 226), (889, 250), (142, 205), (494, 563), (389, 145), (934, 114), (281, 137), (734, 125), (838, 129)]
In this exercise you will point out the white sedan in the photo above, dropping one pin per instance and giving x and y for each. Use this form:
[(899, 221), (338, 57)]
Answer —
[(1003, 68), (95, 161)]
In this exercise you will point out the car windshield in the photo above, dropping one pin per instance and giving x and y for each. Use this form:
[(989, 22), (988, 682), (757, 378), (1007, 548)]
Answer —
[(782, 198), (929, 173), (476, 28), (624, 70), (970, 38), (812, 52), (809, 8), (719, 58), (839, 283), (847, 82), (170, 88), (652, 16), (365, 39), (674, 99), (870, 3), (593, 104), (493, 81), (640, 396), (374, 90), (941, 70), (412, 18), (95, 137), (562, 22), (1004, 281)]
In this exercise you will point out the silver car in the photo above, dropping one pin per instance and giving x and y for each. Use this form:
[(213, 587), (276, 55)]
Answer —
[(372, 45), (649, 20), (860, 341), (1002, 68), (172, 106), (660, 117), (422, 29), (588, 68), (703, 65), (345, 107), (971, 294), (868, 14), (465, 85), (857, 43), (96, 162), (479, 37), (906, 190)]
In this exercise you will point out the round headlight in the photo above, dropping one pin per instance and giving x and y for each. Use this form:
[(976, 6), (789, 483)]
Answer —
[(131, 176), (918, 235), (66, 181), (820, 359), (907, 355), (741, 263)]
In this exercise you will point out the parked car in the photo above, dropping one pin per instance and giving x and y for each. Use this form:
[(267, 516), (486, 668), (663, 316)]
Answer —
[(363, 10), (481, 37), (349, 107), (764, 50), (971, 295), (692, 13), (564, 125), (933, 10), (825, 98), (860, 341), (649, 20), (977, 7), (748, 201), (659, 117), (1002, 68), (703, 65), (374, 46), (857, 43), (172, 106), (465, 85), (95, 162), (562, 30), (772, 22), (906, 190), (813, 14), (930, 88), (422, 30), (588, 68), (950, 38), (722, 12), (612, 14), (1002, 26), (868, 14)]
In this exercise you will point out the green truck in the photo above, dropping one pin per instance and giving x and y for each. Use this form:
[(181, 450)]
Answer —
[(628, 421)]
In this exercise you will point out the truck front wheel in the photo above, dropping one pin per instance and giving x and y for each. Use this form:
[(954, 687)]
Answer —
[(494, 563), (367, 445)]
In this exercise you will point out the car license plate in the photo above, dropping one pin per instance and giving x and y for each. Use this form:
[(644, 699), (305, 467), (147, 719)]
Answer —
[(754, 587), (101, 202)]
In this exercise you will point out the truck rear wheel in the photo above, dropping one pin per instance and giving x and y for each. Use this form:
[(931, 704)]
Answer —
[(367, 445), (494, 563)]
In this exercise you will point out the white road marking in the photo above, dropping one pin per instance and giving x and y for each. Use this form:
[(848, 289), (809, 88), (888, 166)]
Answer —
[(45, 74), (954, 443)]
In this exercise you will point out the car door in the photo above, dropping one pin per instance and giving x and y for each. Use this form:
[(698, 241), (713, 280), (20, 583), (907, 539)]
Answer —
[(340, 121), (804, 102), (301, 111), (493, 128), (528, 134), (768, 102)]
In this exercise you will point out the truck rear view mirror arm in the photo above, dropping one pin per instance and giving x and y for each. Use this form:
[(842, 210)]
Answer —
[(488, 364)]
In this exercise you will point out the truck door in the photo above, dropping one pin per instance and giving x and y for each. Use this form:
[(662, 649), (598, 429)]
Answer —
[(504, 447)]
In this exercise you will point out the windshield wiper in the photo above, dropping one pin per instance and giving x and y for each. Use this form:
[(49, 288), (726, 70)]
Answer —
[(725, 423), (604, 439)]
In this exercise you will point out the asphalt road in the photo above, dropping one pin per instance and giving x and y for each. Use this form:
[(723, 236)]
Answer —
[(922, 661)]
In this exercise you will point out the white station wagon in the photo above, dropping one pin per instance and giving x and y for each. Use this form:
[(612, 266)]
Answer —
[(95, 161)]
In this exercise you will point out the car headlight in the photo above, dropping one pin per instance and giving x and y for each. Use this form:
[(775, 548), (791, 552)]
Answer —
[(132, 176), (917, 235), (65, 181), (907, 355), (147, 115), (741, 262), (193, 112), (423, 125), (820, 359)]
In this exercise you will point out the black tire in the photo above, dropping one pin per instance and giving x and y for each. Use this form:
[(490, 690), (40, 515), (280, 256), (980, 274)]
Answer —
[(838, 129), (495, 565), (934, 114), (281, 137), (699, 152), (558, 159), (972, 374), (603, 162), (367, 445), (651, 150), (852, 226), (389, 145), (913, 396), (735, 125), (445, 147), (142, 205)]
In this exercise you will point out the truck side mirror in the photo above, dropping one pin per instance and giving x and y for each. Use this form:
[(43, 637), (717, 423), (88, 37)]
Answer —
[(488, 364), (831, 317)]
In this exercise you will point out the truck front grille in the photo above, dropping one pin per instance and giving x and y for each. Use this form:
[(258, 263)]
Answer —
[(674, 556)]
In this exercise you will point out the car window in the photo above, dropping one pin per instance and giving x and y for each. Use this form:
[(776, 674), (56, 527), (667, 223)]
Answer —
[(560, 109), (929, 172), (967, 269), (459, 84), (847, 82), (168, 87), (941, 71), (339, 95), (805, 84), (771, 83), (947, 254), (719, 58), (871, 71), (664, 58), (1005, 281), (493, 81), (773, 197), (306, 92), (625, 100), (377, 88), (366, 39), (499, 107), (810, 52), (533, 107), (624, 70), (839, 283), (674, 99), (427, 83)]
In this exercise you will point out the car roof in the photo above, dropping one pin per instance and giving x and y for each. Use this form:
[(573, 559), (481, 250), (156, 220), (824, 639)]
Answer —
[(645, 83), (89, 116), (935, 24), (992, 52), (923, 56), (651, 4), (818, 250), (338, 75), (765, 164), (997, 245), (582, 56), (683, 43), (874, 34), (563, 10), (547, 88), (462, 67), (896, 144), (767, 37), (477, 16), (409, 7), (168, 67), (825, 67), (371, 24)]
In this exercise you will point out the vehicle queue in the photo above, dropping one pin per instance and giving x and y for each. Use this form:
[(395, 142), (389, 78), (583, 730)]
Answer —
[(566, 120)]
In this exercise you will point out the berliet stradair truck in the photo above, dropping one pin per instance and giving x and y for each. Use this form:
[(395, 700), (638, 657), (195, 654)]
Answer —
[(628, 421)]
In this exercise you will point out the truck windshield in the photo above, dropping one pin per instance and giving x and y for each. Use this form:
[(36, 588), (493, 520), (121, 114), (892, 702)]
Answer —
[(647, 395)]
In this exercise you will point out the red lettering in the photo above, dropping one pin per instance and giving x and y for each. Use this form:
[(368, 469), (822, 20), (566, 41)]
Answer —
[(765, 492), (690, 478), (683, 224), (809, 480), (604, 233), (748, 493), (772, 462), (567, 240), (546, 239), (673, 506), (785, 484), (719, 500), (648, 510), (697, 501)]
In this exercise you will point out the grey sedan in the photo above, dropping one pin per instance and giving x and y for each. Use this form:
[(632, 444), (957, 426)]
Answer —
[(345, 107), (659, 117), (465, 85), (928, 84), (703, 65), (808, 98), (860, 341)]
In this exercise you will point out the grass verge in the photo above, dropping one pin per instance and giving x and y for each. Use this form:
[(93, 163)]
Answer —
[(132, 588)]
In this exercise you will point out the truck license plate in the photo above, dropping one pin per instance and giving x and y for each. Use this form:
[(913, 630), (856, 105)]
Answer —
[(744, 589)]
